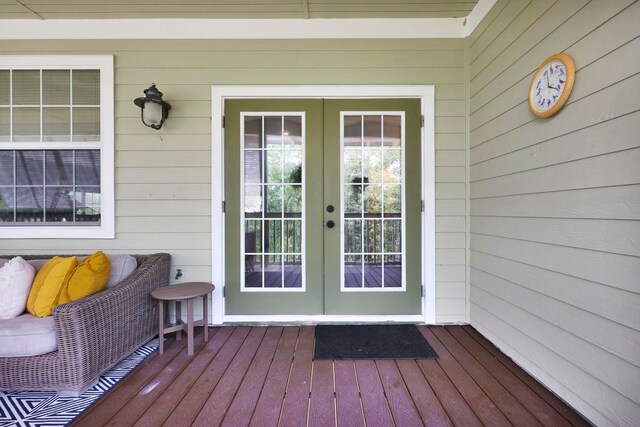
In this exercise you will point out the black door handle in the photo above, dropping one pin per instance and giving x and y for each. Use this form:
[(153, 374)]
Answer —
[(330, 208), (330, 224)]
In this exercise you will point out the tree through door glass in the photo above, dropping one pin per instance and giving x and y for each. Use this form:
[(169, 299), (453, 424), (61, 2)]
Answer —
[(372, 178), (272, 232)]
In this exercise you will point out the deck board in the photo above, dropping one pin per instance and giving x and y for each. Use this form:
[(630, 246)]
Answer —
[(266, 376), (540, 409), (562, 408), (400, 402), (348, 406), (191, 404), (427, 404), (321, 402), (296, 401), (374, 404), (503, 399), (476, 397), (244, 403), (161, 409), (269, 405), (121, 393)]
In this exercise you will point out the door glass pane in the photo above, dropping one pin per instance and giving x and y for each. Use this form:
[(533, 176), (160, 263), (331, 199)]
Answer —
[(352, 201), (352, 165), (273, 181), (272, 271), (293, 131), (253, 271), (293, 201), (273, 131), (292, 166), (352, 236), (253, 200), (392, 165), (392, 271), (274, 165), (352, 131), (372, 180), (253, 132), (373, 271), (392, 195), (372, 131), (353, 271), (253, 166), (372, 236), (392, 131), (293, 271), (274, 200)]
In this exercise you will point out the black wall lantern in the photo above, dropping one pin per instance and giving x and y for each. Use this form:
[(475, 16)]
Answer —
[(154, 111)]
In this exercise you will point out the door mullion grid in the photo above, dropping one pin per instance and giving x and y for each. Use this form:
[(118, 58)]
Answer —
[(382, 205), (282, 251), (264, 201), (362, 263)]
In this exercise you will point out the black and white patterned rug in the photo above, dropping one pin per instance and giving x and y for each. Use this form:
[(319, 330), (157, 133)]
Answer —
[(39, 409)]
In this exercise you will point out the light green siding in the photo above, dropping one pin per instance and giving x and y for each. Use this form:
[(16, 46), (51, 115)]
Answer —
[(555, 203), (163, 179)]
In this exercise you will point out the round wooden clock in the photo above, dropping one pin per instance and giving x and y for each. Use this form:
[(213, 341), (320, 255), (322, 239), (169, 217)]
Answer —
[(551, 85)]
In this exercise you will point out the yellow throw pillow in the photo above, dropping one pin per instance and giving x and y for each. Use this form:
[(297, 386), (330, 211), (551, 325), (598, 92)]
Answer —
[(47, 285), (88, 278)]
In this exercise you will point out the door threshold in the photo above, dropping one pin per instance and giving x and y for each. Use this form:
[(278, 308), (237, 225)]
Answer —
[(320, 318)]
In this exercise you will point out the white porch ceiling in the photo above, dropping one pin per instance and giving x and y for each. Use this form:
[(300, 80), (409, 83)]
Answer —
[(233, 9)]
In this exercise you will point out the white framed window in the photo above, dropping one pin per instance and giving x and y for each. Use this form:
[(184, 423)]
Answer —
[(272, 201), (56, 146), (372, 177)]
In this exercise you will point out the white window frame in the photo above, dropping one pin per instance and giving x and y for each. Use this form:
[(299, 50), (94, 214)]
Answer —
[(243, 287), (106, 228), (403, 215)]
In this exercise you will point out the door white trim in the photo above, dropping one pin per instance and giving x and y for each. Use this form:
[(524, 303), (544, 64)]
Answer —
[(424, 93)]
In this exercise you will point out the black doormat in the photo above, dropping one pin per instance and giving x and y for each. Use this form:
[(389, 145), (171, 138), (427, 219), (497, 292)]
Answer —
[(371, 342)]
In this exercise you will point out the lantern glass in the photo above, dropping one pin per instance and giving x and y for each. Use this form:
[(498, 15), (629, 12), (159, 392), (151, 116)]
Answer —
[(152, 113)]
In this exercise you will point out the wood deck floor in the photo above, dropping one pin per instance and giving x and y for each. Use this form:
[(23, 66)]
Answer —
[(265, 376)]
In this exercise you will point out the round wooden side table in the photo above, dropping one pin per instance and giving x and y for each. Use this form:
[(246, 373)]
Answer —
[(184, 291)]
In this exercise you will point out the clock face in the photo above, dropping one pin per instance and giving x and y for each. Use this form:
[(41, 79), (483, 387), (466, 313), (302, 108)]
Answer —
[(549, 85)]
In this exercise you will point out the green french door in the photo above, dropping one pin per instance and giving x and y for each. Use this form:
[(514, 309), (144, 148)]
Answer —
[(323, 207)]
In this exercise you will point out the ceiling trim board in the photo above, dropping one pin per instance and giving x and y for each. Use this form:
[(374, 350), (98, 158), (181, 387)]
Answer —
[(477, 15), (103, 29)]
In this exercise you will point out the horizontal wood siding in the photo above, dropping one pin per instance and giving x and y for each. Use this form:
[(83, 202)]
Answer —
[(555, 203), (163, 179)]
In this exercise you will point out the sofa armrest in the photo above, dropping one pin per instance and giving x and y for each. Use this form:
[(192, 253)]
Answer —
[(96, 332)]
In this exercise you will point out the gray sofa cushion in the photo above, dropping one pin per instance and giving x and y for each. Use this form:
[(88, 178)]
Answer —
[(27, 335)]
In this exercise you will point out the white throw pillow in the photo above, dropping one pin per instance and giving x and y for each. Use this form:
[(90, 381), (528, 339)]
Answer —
[(16, 277)]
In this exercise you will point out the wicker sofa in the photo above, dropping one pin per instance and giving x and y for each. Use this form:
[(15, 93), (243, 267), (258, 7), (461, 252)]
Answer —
[(94, 333)]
